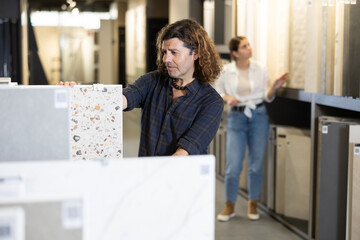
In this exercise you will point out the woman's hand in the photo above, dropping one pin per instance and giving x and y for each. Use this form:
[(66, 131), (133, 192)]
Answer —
[(280, 81), (276, 84), (231, 100)]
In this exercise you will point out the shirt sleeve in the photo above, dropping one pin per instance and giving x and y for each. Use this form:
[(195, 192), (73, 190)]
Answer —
[(267, 83), (136, 93), (204, 128), (220, 84)]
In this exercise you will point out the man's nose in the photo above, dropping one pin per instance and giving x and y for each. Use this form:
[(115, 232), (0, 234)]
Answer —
[(167, 57)]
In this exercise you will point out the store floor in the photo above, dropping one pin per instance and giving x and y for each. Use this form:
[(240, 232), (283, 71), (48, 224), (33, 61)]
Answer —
[(239, 227)]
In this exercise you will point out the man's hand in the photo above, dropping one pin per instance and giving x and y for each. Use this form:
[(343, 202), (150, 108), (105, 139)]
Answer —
[(71, 84), (181, 152)]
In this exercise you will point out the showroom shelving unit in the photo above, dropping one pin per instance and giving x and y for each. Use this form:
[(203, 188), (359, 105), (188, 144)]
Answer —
[(295, 108)]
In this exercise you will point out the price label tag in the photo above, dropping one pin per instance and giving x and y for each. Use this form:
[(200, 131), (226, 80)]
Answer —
[(61, 98), (324, 129), (357, 151), (72, 214)]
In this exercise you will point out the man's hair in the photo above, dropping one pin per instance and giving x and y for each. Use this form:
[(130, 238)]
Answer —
[(208, 65), (234, 44)]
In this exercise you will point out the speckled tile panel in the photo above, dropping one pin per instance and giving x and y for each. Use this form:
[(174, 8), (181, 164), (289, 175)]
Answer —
[(96, 122)]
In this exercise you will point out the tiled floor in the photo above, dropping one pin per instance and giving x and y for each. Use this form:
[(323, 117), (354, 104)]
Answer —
[(239, 228)]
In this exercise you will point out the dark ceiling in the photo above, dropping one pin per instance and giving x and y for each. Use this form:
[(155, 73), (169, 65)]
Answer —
[(83, 5)]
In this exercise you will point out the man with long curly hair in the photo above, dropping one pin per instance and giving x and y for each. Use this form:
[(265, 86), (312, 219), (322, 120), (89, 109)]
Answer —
[(181, 111)]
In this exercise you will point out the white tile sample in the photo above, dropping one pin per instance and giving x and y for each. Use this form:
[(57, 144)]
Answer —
[(353, 210), (136, 198), (96, 122)]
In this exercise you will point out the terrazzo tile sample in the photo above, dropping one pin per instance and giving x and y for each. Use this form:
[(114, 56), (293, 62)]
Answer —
[(96, 122)]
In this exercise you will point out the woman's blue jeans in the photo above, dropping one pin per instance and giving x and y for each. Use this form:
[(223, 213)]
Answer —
[(242, 131)]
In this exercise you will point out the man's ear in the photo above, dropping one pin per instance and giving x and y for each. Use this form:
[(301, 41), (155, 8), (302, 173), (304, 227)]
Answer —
[(195, 54)]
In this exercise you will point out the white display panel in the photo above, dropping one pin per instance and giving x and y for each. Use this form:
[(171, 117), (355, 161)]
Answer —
[(137, 198)]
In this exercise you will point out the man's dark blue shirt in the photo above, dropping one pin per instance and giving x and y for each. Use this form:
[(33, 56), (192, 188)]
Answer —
[(190, 122)]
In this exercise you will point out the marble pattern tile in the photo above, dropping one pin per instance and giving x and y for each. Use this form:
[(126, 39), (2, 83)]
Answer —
[(136, 198), (96, 122)]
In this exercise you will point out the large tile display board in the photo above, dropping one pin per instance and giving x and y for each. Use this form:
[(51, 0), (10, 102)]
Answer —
[(353, 210), (61, 123), (136, 198), (332, 177)]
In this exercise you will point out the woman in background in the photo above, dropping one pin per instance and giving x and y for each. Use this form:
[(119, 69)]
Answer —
[(244, 85)]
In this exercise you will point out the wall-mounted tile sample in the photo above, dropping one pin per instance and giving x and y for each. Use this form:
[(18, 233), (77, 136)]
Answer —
[(277, 41), (178, 208), (313, 47), (298, 40), (34, 123), (96, 122), (351, 73), (327, 50), (332, 177), (339, 49), (353, 210)]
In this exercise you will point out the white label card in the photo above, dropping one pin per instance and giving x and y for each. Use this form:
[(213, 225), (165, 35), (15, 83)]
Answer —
[(357, 151), (61, 98), (12, 223), (324, 129), (72, 214)]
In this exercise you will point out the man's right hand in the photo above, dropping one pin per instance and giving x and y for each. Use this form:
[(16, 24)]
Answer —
[(71, 84)]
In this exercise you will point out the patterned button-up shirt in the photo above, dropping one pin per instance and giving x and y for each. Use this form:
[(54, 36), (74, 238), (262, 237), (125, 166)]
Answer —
[(190, 122)]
